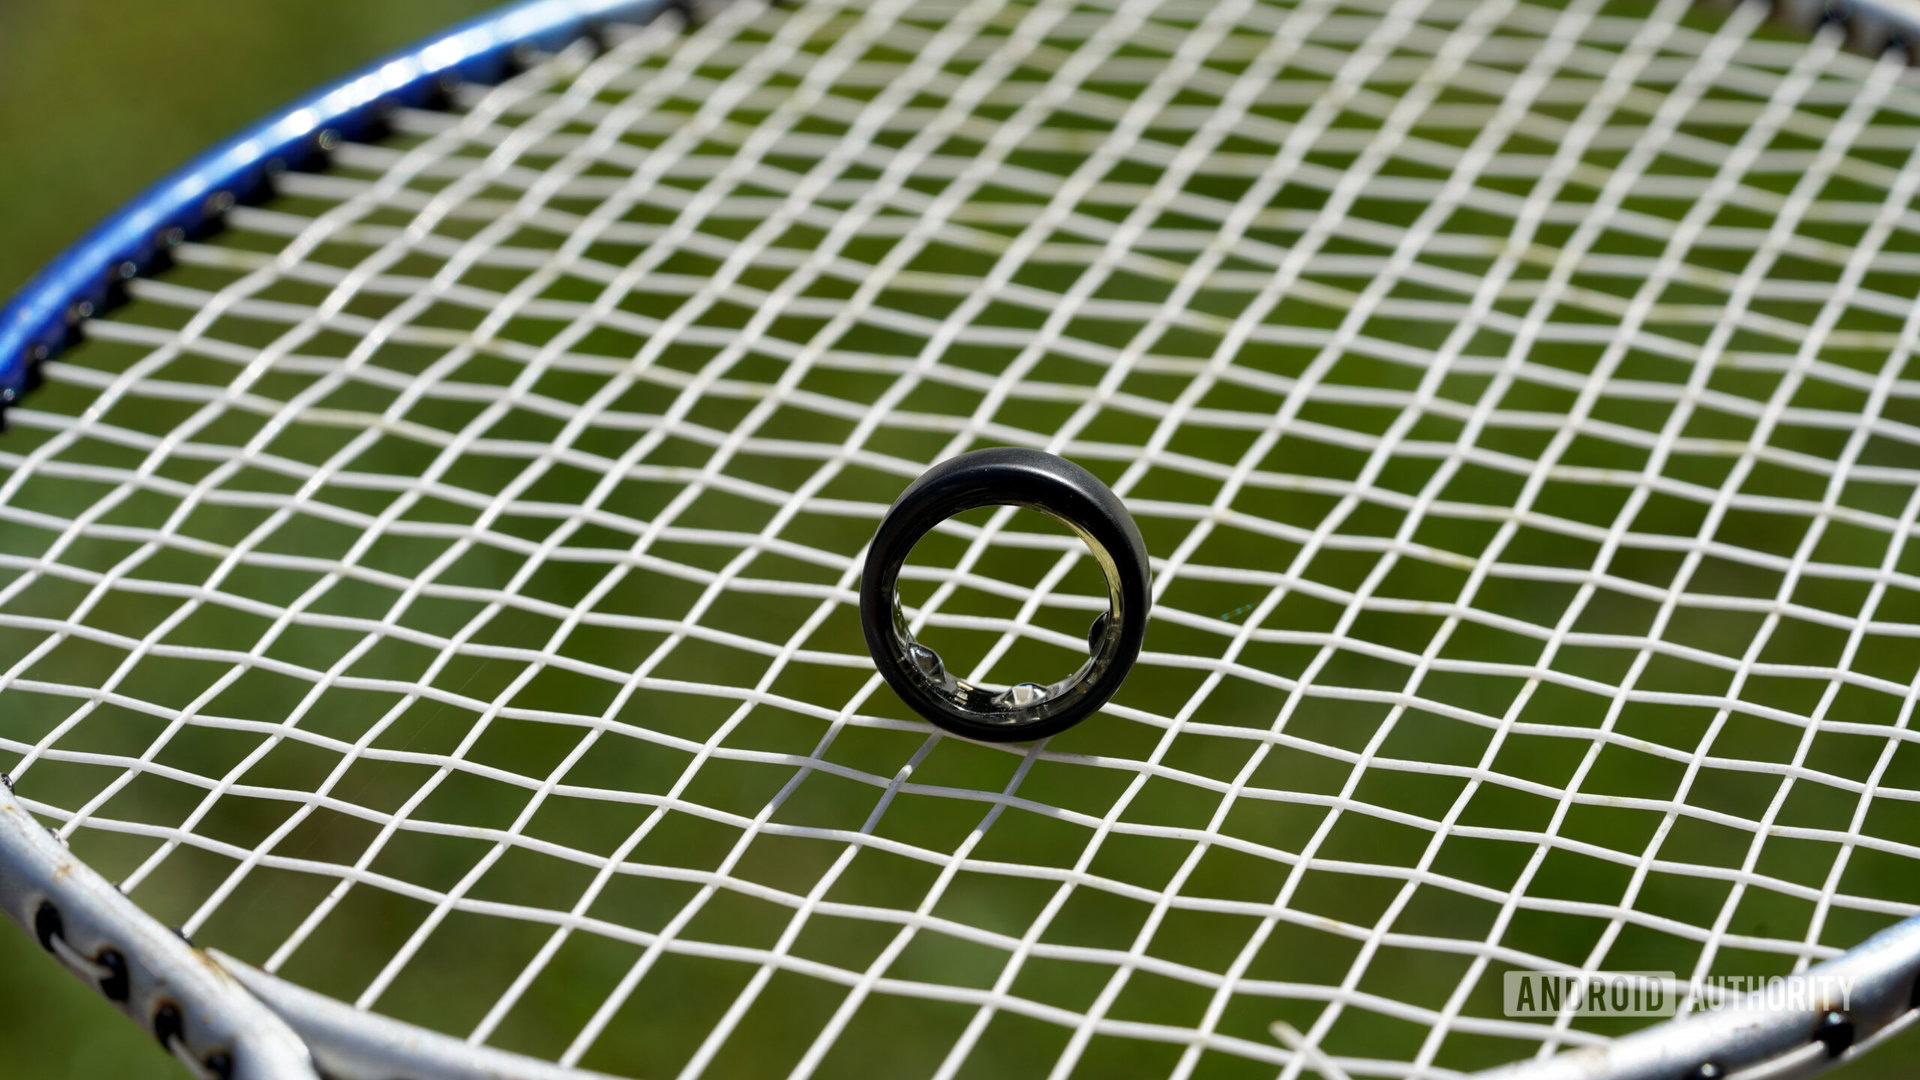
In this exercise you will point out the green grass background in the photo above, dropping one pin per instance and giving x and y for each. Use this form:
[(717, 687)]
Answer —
[(103, 99), (98, 99)]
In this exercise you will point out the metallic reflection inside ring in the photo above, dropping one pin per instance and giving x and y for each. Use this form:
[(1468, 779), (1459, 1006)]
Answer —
[(1036, 480)]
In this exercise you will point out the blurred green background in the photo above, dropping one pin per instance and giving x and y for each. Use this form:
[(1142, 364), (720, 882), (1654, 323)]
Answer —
[(98, 99), (101, 101)]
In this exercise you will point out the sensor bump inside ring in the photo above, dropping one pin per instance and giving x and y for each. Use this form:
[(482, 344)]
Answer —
[(1035, 480)]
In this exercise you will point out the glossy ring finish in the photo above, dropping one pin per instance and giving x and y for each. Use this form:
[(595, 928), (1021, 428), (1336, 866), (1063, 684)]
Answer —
[(1036, 480)]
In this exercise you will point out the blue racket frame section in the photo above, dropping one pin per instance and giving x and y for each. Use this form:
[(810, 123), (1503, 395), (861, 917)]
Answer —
[(38, 322)]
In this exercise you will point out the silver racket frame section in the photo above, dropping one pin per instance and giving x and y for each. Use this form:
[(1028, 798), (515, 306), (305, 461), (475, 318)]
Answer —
[(199, 1012), (1871, 26), (229, 1020), (1756, 1035)]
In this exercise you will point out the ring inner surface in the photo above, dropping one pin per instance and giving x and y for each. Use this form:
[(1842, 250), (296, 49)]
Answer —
[(1024, 702)]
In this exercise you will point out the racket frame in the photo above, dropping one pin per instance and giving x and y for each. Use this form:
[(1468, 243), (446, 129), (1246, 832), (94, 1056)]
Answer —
[(46, 315), (223, 997)]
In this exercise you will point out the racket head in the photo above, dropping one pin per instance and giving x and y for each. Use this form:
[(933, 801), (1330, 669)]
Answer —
[(1110, 829)]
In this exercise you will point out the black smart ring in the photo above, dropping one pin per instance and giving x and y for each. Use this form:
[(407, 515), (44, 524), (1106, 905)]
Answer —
[(1008, 476)]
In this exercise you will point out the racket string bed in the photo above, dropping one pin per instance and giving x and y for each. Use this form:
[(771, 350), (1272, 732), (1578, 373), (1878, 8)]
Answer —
[(438, 589)]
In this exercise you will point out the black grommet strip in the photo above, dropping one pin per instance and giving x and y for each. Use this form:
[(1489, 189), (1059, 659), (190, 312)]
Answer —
[(167, 1024), (114, 983), (1835, 1032), (1036, 480), (47, 924)]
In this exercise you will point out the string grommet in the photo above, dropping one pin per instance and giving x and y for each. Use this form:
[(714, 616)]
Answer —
[(1035, 480)]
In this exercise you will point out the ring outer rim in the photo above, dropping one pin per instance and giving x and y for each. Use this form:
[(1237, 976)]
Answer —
[(1005, 476)]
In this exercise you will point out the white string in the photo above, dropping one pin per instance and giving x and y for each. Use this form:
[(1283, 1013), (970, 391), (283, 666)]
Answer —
[(440, 587)]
